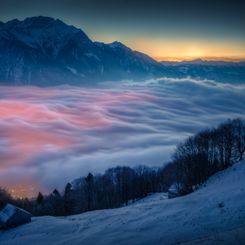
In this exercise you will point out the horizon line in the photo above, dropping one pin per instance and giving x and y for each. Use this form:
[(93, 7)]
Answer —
[(203, 58)]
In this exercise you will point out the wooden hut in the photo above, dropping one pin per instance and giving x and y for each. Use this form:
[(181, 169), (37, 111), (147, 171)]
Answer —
[(12, 216)]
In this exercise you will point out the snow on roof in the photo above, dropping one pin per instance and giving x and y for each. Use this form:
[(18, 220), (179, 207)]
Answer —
[(8, 211), (173, 188)]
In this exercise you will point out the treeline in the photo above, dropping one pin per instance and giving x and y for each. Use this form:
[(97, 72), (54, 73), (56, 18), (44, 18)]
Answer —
[(116, 187), (208, 152), (194, 161)]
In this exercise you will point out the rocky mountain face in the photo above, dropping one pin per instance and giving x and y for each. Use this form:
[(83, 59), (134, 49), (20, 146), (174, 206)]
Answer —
[(46, 51)]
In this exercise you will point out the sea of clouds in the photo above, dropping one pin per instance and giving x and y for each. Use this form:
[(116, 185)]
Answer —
[(49, 136)]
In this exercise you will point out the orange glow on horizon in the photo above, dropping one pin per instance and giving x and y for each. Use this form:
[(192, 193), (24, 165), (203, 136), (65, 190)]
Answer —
[(173, 49), (27, 189), (180, 51), (189, 58)]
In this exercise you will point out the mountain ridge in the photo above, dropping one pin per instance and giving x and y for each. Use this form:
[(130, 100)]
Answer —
[(45, 51)]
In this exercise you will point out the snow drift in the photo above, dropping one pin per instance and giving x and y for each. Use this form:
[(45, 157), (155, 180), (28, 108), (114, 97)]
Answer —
[(214, 214)]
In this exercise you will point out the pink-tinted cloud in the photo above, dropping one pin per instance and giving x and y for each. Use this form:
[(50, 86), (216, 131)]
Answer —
[(49, 136)]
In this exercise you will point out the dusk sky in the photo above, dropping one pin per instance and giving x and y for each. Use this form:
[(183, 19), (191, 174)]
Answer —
[(162, 29)]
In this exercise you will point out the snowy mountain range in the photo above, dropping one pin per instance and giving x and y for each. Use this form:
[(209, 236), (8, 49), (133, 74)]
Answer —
[(221, 71), (44, 51)]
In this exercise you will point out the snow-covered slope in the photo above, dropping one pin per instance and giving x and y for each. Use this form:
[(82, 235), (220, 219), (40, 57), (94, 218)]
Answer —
[(215, 214)]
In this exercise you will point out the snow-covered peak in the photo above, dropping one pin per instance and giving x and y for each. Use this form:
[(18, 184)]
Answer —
[(117, 44), (114, 45), (12, 22), (52, 43), (41, 26), (46, 33), (40, 23)]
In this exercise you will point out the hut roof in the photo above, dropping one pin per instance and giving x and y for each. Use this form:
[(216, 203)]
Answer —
[(9, 211)]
